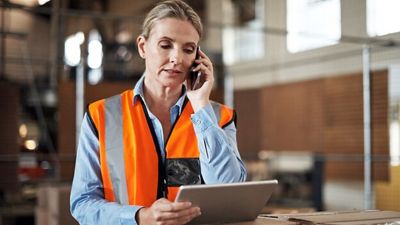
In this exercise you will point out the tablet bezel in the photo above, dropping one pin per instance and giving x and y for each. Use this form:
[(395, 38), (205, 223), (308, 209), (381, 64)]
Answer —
[(232, 202)]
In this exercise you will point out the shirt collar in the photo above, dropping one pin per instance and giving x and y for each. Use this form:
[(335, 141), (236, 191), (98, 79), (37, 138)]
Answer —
[(139, 93)]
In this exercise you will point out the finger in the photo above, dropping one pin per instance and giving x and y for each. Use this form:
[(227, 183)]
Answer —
[(185, 220), (205, 62), (162, 204), (179, 206), (173, 206), (189, 217), (203, 55), (203, 69), (181, 217), (204, 59)]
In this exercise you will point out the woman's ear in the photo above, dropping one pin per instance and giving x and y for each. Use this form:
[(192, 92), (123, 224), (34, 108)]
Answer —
[(141, 41)]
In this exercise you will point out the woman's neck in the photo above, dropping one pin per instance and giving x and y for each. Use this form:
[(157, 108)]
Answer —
[(161, 96)]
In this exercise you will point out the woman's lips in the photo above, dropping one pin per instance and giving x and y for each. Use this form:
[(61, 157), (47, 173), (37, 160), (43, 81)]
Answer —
[(173, 71)]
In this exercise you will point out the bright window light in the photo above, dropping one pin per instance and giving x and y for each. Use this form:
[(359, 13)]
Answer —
[(312, 24), (95, 50), (383, 17), (95, 56), (95, 76), (395, 143), (72, 49), (394, 119), (244, 42)]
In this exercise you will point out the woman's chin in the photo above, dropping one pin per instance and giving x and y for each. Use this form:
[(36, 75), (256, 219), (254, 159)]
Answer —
[(173, 83)]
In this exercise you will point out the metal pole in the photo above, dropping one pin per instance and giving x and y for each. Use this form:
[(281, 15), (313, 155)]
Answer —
[(2, 43), (54, 40), (80, 95), (367, 127), (228, 90)]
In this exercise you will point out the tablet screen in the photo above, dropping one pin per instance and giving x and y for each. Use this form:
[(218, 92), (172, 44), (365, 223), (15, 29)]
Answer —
[(233, 202)]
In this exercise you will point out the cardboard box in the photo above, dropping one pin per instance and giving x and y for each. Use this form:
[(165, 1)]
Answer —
[(58, 199), (41, 216), (266, 221), (42, 198), (341, 218), (53, 205)]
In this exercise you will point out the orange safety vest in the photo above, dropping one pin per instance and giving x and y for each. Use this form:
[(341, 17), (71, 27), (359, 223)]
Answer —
[(132, 169)]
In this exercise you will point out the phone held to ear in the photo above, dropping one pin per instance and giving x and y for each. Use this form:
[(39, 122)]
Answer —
[(194, 76)]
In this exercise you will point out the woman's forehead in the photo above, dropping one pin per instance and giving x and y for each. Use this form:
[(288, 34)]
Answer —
[(176, 29)]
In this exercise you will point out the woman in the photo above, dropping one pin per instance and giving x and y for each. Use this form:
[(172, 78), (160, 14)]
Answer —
[(138, 147)]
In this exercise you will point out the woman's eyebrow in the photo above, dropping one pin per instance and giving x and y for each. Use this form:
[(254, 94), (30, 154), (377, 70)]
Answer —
[(166, 37), (173, 40)]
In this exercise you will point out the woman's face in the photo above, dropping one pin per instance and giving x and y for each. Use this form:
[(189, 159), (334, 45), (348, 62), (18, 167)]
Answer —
[(169, 51)]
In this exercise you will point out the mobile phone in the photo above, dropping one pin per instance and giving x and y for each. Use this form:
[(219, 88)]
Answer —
[(194, 76)]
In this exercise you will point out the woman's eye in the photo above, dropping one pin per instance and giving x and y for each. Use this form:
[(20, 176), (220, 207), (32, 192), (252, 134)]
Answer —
[(189, 50), (165, 46)]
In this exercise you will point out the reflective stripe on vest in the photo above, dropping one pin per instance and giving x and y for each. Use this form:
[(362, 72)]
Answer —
[(131, 167), (114, 140)]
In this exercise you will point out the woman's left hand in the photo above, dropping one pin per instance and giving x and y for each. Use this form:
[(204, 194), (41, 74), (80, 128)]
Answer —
[(200, 97)]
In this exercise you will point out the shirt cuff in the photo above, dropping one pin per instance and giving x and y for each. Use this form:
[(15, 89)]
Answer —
[(204, 118), (128, 215)]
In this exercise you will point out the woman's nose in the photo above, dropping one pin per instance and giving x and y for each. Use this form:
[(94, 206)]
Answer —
[(175, 57)]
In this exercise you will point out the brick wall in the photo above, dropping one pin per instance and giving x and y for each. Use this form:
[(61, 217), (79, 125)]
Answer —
[(322, 116)]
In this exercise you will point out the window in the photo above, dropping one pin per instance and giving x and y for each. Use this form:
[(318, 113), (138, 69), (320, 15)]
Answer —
[(72, 49), (312, 24), (95, 57), (383, 17), (394, 114), (246, 40)]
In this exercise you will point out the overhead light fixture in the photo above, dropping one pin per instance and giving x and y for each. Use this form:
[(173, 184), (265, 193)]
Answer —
[(23, 130), (42, 2), (123, 37), (30, 145)]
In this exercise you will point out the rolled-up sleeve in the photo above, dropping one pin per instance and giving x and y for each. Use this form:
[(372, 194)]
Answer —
[(220, 160)]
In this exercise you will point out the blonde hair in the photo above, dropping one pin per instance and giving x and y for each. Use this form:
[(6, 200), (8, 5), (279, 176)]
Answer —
[(171, 9)]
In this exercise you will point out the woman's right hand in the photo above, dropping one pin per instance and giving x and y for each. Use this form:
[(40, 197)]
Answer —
[(201, 97), (164, 212)]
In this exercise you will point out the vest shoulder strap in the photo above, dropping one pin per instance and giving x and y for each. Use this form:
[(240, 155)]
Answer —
[(98, 106), (225, 115), (95, 114)]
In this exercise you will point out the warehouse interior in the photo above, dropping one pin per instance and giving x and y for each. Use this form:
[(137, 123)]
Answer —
[(315, 85)]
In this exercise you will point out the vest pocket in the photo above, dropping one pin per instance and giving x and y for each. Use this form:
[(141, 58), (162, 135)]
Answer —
[(183, 171)]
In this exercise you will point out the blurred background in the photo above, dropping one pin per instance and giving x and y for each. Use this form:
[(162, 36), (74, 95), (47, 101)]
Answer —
[(315, 83)]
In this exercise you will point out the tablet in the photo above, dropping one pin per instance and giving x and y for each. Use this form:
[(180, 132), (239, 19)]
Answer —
[(233, 202)]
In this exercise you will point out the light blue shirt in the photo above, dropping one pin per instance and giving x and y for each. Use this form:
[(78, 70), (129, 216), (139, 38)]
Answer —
[(220, 162)]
